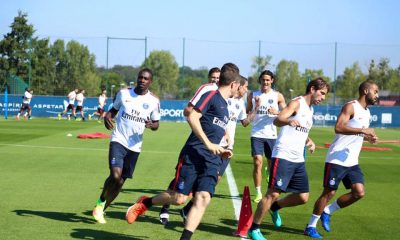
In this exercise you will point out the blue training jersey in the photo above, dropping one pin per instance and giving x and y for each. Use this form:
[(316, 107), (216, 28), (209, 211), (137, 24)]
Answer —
[(215, 117)]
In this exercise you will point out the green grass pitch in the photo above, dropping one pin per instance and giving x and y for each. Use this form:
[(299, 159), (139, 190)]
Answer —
[(50, 182)]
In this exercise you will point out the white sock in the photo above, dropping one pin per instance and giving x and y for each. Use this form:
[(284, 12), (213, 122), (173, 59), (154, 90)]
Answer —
[(25, 114), (331, 208), (18, 114), (258, 190), (313, 220)]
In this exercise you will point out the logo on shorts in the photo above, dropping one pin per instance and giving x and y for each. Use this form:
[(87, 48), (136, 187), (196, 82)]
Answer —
[(113, 161), (332, 182), (181, 185), (145, 105), (279, 183)]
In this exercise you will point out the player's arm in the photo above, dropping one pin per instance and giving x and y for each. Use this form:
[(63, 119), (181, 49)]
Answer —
[(342, 126), (188, 109), (108, 118), (310, 144), (249, 106), (153, 125), (251, 114), (283, 117), (194, 122)]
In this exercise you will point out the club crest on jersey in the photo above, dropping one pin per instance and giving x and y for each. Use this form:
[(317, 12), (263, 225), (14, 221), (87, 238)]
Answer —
[(145, 105), (270, 101), (237, 106), (279, 183), (229, 102), (181, 185), (332, 182)]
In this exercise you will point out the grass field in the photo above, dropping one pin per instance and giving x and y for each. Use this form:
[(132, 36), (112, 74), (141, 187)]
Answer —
[(49, 183)]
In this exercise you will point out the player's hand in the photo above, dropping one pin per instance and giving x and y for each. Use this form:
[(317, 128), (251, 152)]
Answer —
[(311, 146), (109, 123), (257, 101), (148, 123), (372, 140), (369, 132), (294, 123), (215, 149), (227, 154), (273, 111)]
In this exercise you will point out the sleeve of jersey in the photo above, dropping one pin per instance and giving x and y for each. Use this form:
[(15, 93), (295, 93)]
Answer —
[(117, 101), (242, 114), (156, 114), (205, 101), (200, 92)]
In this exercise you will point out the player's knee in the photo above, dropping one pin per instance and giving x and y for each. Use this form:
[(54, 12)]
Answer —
[(179, 199), (303, 198), (358, 194), (258, 162)]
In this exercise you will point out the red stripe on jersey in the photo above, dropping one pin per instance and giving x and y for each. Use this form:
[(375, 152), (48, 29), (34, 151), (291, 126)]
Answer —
[(199, 90), (212, 93), (178, 171), (274, 168), (328, 170)]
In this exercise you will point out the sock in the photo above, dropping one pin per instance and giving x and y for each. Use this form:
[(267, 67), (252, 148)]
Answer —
[(100, 202), (331, 208), (275, 207), (186, 235), (254, 226), (187, 207), (148, 202), (164, 209), (313, 220), (258, 190), (25, 114), (18, 114)]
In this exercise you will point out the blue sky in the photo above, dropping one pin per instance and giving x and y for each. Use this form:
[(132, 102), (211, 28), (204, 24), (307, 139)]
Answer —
[(220, 31)]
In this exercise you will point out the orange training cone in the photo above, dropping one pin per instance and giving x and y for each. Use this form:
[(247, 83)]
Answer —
[(246, 214)]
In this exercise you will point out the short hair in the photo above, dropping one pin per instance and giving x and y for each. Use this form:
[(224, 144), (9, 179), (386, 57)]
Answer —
[(243, 80), (318, 84), (365, 85), (228, 77), (146, 70), (213, 70), (230, 67), (268, 73)]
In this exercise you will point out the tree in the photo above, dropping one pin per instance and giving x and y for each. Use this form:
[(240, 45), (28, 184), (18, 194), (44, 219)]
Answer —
[(165, 73), (43, 68), (288, 80), (347, 84), (258, 65), (15, 49)]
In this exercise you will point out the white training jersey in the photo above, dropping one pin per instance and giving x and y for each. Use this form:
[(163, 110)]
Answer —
[(71, 97), (202, 89), (27, 98), (79, 99), (263, 123), (345, 149), (291, 141), (133, 111), (102, 100), (237, 111)]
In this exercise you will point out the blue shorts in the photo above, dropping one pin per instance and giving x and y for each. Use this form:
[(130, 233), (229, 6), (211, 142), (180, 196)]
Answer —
[(334, 174), (260, 146), (121, 157), (223, 166), (288, 176), (195, 173)]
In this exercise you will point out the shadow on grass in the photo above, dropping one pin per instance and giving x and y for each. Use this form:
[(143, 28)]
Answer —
[(98, 234), (59, 216)]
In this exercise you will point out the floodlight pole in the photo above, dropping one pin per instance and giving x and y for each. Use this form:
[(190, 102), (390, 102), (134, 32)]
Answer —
[(108, 40), (183, 58), (334, 76)]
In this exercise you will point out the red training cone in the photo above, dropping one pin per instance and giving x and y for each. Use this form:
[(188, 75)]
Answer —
[(246, 214)]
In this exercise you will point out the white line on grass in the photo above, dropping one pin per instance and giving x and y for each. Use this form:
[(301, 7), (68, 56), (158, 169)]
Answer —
[(237, 202)]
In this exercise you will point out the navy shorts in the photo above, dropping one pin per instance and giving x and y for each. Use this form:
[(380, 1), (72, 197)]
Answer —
[(121, 157), (100, 110), (70, 107), (79, 108), (288, 176), (25, 106), (223, 166), (334, 174), (195, 173), (260, 146)]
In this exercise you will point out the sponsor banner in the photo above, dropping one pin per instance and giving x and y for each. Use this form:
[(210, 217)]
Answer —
[(172, 110)]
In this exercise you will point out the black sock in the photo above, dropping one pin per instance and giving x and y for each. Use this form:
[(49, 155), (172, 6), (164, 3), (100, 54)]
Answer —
[(147, 202), (254, 226), (165, 209), (275, 207), (186, 235), (187, 207)]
